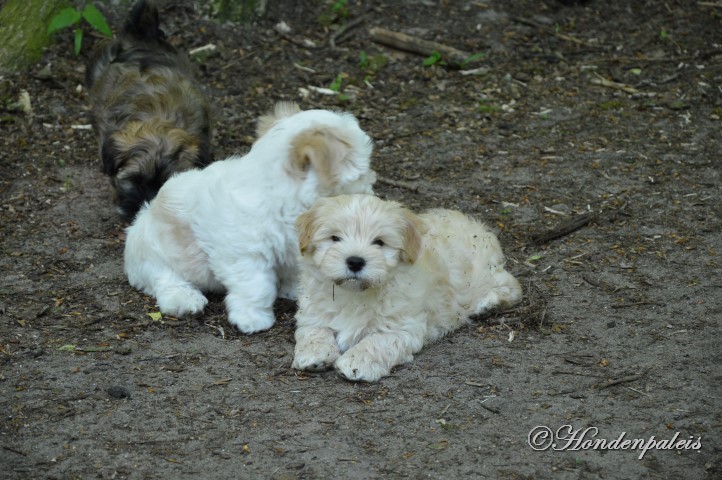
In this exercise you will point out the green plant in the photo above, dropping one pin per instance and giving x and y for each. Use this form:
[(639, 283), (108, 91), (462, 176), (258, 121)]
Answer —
[(472, 58), (371, 64), (433, 59), (339, 7), (363, 60), (488, 108), (336, 11), (68, 17), (337, 84)]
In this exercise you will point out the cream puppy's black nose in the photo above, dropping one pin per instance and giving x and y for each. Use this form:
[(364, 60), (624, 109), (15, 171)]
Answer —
[(355, 264)]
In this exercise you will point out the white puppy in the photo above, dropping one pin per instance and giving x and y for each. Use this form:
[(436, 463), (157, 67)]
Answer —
[(379, 282), (230, 227)]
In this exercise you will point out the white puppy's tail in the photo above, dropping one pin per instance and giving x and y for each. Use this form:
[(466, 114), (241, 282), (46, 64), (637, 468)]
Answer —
[(280, 110)]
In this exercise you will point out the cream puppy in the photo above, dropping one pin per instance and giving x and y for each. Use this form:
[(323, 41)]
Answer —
[(379, 282), (230, 227)]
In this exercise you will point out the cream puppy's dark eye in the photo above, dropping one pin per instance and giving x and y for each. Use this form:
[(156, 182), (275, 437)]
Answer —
[(378, 242), (335, 238)]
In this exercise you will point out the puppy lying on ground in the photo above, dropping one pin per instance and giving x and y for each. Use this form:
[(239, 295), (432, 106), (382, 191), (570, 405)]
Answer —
[(150, 113), (230, 226), (379, 282)]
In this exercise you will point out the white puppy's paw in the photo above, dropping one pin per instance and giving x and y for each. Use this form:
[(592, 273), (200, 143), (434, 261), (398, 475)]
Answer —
[(249, 320), (314, 357), (288, 291), (181, 301), (360, 366)]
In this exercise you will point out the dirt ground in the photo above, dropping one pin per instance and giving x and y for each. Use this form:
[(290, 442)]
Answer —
[(606, 108)]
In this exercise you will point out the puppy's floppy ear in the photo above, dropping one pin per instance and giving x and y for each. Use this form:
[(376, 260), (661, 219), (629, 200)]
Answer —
[(321, 150), (414, 230), (280, 110), (306, 228)]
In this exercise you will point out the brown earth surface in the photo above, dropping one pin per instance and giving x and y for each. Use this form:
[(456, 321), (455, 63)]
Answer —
[(605, 108)]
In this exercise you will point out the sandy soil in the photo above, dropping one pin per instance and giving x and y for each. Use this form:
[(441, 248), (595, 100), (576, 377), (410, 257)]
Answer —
[(606, 108)]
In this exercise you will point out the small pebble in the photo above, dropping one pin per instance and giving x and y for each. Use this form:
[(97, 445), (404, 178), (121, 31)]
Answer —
[(118, 392), (123, 350)]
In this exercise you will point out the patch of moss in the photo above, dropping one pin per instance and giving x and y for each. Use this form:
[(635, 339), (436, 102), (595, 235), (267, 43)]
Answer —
[(24, 31), (610, 105)]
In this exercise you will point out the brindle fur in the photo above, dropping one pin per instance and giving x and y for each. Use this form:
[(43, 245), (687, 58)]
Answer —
[(151, 115)]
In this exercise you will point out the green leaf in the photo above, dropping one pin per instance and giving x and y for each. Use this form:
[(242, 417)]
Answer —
[(155, 316), (65, 18), (442, 445), (472, 58), (93, 349), (433, 59), (338, 7), (363, 59), (78, 40), (67, 348), (337, 83), (96, 19)]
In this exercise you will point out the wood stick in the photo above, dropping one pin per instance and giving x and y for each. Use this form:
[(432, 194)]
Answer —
[(615, 85), (628, 379), (345, 28), (551, 31), (401, 41), (398, 183), (564, 228), (491, 409), (637, 304)]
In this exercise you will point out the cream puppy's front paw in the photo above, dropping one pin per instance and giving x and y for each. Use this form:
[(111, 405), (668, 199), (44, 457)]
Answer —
[(314, 357), (181, 301), (361, 366)]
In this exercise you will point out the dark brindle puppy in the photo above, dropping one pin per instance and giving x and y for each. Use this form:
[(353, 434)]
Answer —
[(151, 115)]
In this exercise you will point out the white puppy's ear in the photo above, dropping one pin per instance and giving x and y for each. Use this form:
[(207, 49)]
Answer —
[(323, 150), (413, 232), (280, 110), (306, 228)]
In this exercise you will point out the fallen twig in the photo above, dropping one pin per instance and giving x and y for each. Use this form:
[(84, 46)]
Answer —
[(11, 449), (581, 374), (551, 31), (475, 384), (637, 304), (453, 57), (615, 85), (345, 28), (305, 43), (564, 228), (627, 379), (223, 381), (398, 183), (630, 378), (491, 409)]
